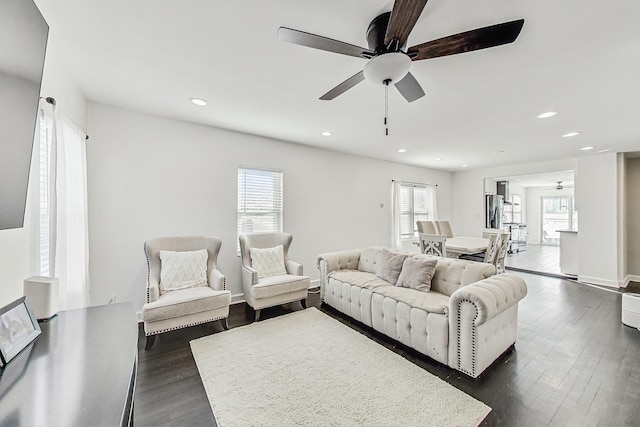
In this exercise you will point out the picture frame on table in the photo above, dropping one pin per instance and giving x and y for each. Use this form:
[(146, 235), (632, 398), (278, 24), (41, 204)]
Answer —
[(18, 328)]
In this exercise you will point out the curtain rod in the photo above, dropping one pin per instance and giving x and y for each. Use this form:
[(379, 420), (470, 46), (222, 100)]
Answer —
[(52, 101), (413, 183)]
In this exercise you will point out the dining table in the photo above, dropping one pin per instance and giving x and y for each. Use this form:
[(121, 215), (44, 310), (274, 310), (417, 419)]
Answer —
[(463, 245)]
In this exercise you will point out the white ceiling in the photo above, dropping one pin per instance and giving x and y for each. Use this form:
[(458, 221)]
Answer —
[(578, 57)]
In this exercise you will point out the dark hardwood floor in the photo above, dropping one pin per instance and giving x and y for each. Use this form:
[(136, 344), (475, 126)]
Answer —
[(574, 364)]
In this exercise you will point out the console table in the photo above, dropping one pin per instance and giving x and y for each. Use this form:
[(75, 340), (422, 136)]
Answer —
[(81, 371)]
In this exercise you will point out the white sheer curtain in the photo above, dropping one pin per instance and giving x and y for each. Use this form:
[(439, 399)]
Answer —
[(68, 225), (410, 202)]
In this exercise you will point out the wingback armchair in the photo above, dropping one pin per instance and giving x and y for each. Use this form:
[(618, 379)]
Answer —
[(191, 302), (277, 287)]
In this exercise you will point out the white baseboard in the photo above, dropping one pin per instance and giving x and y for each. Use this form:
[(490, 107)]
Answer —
[(628, 279), (599, 281)]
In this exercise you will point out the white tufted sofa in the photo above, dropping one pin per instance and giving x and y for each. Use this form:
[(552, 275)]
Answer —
[(466, 321)]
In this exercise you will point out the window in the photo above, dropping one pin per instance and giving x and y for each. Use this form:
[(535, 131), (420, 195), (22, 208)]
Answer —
[(259, 201), (416, 203), (558, 213), (45, 123)]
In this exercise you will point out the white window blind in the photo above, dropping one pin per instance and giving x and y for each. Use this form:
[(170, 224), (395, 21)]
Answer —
[(417, 203), (259, 201), (45, 123)]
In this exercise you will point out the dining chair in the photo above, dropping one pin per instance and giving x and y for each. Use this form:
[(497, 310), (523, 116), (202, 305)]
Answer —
[(433, 244), (491, 254), (427, 227), (444, 228), (502, 252)]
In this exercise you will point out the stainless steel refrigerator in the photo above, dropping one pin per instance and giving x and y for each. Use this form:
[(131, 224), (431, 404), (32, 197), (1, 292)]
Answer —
[(494, 207)]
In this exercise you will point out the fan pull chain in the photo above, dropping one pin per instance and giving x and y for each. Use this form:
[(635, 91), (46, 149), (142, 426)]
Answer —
[(386, 107)]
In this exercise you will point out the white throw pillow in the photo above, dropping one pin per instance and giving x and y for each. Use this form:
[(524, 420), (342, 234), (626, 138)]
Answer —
[(181, 270), (268, 261)]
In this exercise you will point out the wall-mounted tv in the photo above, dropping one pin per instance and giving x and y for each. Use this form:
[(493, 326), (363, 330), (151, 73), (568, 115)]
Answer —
[(23, 41)]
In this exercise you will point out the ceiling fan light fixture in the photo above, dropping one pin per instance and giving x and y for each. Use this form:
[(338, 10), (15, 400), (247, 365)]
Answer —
[(388, 66)]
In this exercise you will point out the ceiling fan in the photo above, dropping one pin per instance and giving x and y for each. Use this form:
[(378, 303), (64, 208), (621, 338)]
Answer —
[(389, 59), (557, 187)]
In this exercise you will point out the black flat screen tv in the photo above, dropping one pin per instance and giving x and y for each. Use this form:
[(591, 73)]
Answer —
[(23, 41)]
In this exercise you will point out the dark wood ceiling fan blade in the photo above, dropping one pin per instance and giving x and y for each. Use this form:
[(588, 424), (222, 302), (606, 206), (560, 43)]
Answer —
[(480, 38), (410, 88), (323, 43), (404, 15), (343, 87)]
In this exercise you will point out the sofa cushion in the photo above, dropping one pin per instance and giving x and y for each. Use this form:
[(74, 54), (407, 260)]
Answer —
[(390, 265), (431, 302), (272, 286), (181, 270), (417, 272), (358, 278), (268, 261), (185, 302), (369, 259)]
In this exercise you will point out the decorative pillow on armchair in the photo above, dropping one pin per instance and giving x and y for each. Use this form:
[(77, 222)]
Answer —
[(181, 270), (389, 265), (268, 261), (417, 272)]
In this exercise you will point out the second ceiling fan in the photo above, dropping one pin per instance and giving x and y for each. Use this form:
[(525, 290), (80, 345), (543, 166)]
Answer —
[(389, 59)]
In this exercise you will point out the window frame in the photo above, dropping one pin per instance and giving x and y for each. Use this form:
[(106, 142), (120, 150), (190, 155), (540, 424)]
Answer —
[(243, 214)]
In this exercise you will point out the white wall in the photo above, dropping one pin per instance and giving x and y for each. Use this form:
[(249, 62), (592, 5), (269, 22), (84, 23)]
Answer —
[(151, 177), (468, 191), (18, 246), (596, 192)]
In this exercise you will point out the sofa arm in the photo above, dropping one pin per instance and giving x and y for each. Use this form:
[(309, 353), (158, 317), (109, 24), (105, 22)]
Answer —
[(217, 280), (332, 261), (483, 322), (293, 267), (490, 296), (343, 260)]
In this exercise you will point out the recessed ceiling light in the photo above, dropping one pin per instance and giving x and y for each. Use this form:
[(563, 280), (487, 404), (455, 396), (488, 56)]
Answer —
[(604, 151), (326, 133), (500, 152), (570, 134), (465, 165), (198, 101), (402, 150), (438, 159), (547, 114), (587, 148)]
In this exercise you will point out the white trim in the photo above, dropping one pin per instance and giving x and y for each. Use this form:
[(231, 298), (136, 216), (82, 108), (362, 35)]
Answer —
[(598, 281), (630, 278)]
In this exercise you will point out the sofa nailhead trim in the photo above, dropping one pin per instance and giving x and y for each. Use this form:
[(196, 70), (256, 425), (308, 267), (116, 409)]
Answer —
[(473, 339)]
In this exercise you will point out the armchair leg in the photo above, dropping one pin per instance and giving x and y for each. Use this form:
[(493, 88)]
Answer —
[(150, 340), (257, 316), (303, 303), (225, 323)]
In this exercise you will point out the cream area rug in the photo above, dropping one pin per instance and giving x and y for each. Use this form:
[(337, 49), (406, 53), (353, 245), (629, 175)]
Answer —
[(306, 368)]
